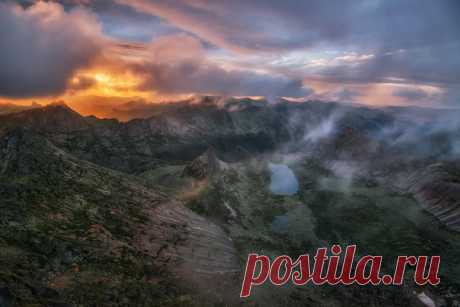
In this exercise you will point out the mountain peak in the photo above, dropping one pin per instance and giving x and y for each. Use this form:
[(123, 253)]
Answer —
[(207, 164), (59, 105), (52, 117)]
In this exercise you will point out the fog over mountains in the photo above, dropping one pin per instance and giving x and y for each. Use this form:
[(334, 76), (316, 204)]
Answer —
[(163, 210), (148, 147)]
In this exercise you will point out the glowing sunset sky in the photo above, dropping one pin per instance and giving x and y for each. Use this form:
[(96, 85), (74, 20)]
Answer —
[(93, 52)]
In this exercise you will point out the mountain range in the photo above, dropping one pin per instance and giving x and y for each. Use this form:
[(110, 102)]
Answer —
[(162, 211)]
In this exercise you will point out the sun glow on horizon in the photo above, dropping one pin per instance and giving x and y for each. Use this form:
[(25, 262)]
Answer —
[(107, 83)]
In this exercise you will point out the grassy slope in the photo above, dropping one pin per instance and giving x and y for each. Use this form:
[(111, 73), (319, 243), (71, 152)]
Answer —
[(379, 221), (67, 229)]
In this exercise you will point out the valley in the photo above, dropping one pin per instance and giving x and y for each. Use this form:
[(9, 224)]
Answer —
[(163, 211)]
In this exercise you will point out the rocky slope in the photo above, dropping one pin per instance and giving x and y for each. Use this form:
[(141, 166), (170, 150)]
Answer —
[(73, 232), (150, 211), (437, 188), (177, 134)]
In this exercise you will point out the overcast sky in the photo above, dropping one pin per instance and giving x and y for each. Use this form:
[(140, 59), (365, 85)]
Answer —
[(404, 52)]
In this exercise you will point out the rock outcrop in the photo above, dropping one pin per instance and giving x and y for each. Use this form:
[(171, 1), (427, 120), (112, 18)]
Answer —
[(437, 188), (205, 165)]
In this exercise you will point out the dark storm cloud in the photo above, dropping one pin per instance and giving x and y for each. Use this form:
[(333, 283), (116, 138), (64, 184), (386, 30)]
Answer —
[(411, 40), (347, 95), (179, 64), (262, 24), (451, 96), (440, 65), (123, 22), (410, 93), (209, 79), (41, 47), (254, 25), (118, 21)]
